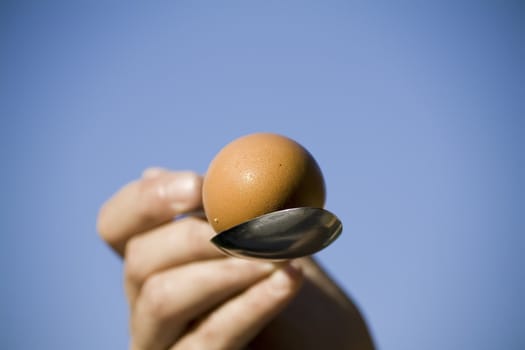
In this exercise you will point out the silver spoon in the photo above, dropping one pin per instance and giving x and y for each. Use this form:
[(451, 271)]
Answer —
[(281, 235)]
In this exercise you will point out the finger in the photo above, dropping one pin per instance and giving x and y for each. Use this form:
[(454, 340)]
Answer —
[(170, 245), (169, 300), (234, 324), (146, 203)]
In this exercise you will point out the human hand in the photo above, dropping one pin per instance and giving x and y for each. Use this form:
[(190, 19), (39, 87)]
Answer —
[(182, 292)]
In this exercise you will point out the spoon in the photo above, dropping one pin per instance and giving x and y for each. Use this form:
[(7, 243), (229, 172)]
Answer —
[(281, 235)]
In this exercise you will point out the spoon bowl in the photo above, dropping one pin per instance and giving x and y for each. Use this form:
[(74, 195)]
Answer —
[(281, 235)]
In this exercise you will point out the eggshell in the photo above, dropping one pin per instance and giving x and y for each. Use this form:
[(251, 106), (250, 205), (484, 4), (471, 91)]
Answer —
[(258, 174)]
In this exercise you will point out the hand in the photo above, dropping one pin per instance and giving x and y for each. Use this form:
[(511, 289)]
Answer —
[(182, 292)]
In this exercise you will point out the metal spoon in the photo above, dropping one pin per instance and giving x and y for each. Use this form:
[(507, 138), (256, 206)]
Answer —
[(281, 235)]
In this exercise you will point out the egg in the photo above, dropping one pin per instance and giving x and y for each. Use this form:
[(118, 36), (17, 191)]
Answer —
[(258, 174)]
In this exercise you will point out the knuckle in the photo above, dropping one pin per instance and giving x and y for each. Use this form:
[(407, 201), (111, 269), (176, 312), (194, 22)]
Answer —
[(154, 297), (105, 230), (102, 226), (134, 261)]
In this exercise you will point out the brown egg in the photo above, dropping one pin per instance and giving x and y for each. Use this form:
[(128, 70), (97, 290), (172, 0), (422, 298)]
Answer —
[(258, 174)]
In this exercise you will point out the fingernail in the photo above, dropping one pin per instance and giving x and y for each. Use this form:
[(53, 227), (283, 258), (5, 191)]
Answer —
[(283, 280), (184, 191), (152, 172)]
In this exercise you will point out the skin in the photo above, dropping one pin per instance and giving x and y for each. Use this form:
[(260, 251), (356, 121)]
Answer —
[(184, 294)]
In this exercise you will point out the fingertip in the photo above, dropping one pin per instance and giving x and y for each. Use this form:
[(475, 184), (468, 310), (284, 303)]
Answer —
[(185, 191), (286, 280), (146, 203), (181, 190)]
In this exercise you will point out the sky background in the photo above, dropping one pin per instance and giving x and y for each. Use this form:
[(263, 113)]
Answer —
[(414, 110)]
